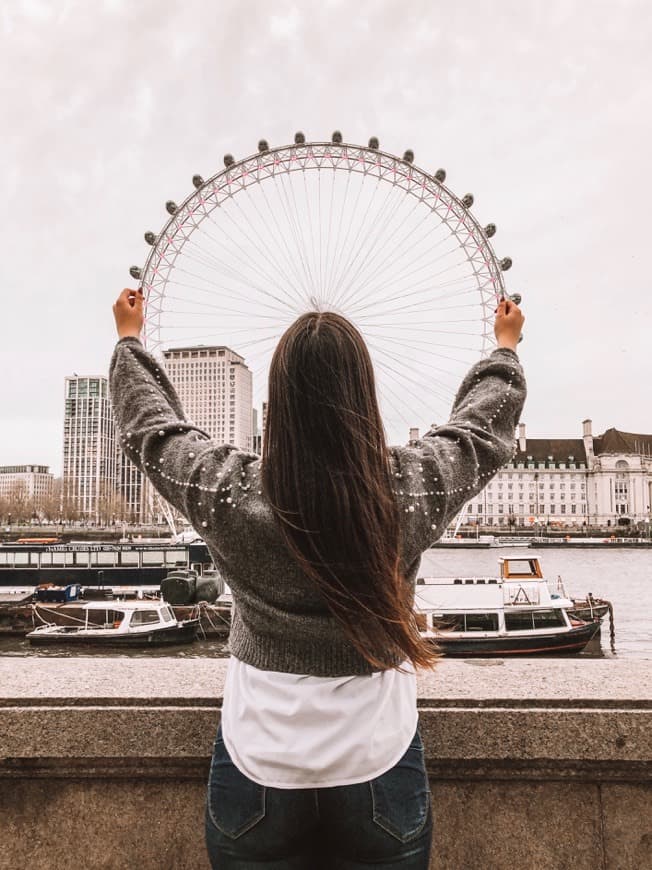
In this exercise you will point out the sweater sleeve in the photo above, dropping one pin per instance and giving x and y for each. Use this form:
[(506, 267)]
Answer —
[(182, 462), (452, 463)]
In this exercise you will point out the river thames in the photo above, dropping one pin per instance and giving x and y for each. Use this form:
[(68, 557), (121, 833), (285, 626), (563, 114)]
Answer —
[(622, 576)]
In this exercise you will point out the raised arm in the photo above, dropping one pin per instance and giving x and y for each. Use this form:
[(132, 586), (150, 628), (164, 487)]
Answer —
[(183, 464), (454, 462)]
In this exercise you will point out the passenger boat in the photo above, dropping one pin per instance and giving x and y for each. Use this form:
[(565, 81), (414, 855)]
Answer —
[(508, 615), (140, 563), (120, 623)]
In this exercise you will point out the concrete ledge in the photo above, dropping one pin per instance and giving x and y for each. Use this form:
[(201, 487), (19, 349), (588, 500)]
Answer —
[(535, 763)]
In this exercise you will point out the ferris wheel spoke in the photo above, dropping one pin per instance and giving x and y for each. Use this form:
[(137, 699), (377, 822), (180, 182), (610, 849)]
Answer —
[(450, 288), (290, 260), (244, 279), (223, 307), (291, 289), (394, 253), (229, 292), (264, 254), (340, 224), (337, 261), (383, 230), (432, 385), (341, 284), (392, 386), (390, 282), (421, 288), (293, 209)]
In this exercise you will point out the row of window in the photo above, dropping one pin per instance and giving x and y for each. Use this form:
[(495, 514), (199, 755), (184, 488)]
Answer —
[(518, 620), (534, 508)]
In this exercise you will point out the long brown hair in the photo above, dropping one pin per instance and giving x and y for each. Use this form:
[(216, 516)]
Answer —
[(326, 474)]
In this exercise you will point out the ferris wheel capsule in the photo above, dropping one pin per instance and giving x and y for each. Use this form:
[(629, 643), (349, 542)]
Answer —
[(229, 160), (440, 176), (336, 138), (374, 143), (490, 230), (263, 146), (151, 238), (299, 138), (467, 200), (408, 156), (171, 207), (198, 181), (136, 273), (505, 263)]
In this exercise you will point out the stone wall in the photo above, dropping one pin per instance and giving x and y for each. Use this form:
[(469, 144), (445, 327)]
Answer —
[(533, 764)]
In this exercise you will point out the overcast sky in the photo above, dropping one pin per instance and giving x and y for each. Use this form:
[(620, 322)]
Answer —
[(541, 109)]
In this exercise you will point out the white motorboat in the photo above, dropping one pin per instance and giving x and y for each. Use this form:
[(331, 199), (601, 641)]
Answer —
[(120, 623)]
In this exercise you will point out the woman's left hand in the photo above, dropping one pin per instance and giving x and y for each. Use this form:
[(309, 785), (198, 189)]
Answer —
[(128, 313)]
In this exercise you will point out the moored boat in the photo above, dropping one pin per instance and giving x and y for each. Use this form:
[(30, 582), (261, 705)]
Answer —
[(120, 623), (511, 614)]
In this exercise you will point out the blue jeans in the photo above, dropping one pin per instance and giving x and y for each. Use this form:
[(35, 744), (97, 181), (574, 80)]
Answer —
[(385, 822)]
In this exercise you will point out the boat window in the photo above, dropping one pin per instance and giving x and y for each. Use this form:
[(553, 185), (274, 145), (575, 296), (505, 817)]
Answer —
[(105, 617), (128, 557), (450, 622), (144, 617), (82, 558), (103, 559), (60, 558), (168, 614), (482, 622), (175, 557), (520, 568), (4, 558), (21, 559), (549, 618), (153, 557), (519, 620)]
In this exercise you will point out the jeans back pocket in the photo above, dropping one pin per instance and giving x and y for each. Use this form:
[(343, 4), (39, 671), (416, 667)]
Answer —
[(235, 802), (401, 796)]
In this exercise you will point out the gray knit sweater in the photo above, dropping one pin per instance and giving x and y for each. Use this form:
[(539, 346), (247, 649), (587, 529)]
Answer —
[(280, 621)]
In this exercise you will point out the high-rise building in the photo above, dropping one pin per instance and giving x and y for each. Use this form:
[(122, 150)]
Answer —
[(99, 482), (89, 446), (31, 482), (214, 386)]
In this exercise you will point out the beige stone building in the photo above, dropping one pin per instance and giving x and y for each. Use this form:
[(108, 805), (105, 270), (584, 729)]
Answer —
[(214, 386), (591, 481), (34, 482)]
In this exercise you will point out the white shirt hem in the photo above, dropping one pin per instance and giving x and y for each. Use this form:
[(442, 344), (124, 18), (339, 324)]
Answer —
[(321, 783)]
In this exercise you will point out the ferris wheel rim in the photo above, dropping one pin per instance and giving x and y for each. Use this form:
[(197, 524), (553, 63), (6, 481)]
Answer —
[(333, 155)]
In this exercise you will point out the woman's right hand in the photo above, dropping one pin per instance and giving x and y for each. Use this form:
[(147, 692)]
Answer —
[(509, 324)]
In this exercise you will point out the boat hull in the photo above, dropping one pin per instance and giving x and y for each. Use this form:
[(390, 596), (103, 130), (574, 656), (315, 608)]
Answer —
[(563, 643), (185, 632)]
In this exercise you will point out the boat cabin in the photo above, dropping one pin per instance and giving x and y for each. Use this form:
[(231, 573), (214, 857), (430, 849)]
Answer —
[(128, 615)]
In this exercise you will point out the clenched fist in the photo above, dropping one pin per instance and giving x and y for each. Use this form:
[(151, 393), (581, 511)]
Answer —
[(128, 313)]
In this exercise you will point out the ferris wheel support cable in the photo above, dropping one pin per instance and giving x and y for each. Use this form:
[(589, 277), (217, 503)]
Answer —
[(347, 236), (298, 224), (347, 269), (282, 238), (409, 291), (257, 247), (291, 289), (379, 248), (381, 227), (392, 373)]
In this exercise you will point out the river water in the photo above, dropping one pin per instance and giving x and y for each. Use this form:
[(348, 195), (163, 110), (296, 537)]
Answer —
[(622, 576)]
